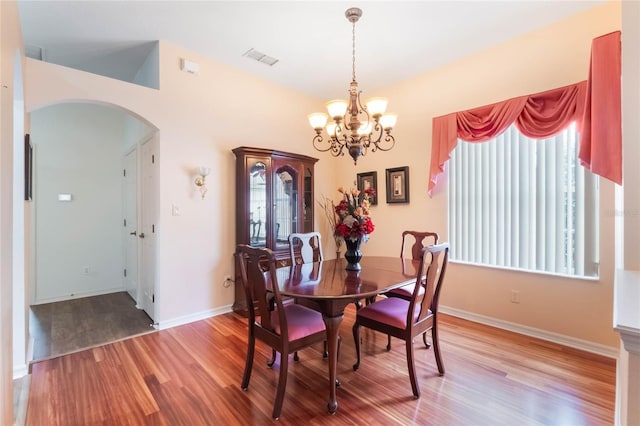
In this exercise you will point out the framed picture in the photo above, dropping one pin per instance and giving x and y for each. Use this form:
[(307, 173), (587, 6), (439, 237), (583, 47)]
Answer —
[(368, 180), (398, 185), (28, 168)]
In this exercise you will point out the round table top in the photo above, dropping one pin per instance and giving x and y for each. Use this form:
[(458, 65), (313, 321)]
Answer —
[(329, 279)]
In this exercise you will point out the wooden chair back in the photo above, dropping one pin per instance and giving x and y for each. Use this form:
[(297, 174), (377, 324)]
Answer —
[(418, 242), (434, 259), (254, 263), (305, 247)]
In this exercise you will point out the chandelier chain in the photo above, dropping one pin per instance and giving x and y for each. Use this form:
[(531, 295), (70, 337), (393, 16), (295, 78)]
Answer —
[(353, 52)]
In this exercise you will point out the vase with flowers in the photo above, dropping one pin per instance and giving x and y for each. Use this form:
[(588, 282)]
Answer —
[(353, 223)]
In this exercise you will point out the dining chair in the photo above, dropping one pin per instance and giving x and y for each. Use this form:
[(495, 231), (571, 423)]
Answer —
[(418, 243), (307, 245), (286, 328), (406, 319)]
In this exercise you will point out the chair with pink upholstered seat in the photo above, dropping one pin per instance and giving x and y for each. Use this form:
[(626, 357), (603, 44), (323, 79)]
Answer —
[(406, 319), (405, 292), (287, 328), (419, 238)]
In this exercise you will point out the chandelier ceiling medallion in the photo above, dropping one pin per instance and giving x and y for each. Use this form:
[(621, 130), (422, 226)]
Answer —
[(353, 126)]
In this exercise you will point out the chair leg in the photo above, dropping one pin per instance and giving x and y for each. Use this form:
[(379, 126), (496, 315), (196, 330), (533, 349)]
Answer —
[(436, 347), (296, 358), (325, 352), (412, 369), (273, 358), (356, 340), (282, 385), (249, 363), (424, 339), (388, 342)]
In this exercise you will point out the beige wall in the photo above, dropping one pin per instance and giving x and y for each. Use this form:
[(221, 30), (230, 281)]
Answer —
[(10, 43), (202, 117), (554, 56)]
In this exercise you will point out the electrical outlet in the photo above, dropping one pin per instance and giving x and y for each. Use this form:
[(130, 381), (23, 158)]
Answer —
[(515, 296)]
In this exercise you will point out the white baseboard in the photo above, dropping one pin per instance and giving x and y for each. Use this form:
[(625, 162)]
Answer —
[(22, 370), (163, 325), (561, 339)]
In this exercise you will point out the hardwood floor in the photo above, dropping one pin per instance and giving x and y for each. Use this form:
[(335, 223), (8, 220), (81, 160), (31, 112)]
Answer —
[(190, 375), (62, 327)]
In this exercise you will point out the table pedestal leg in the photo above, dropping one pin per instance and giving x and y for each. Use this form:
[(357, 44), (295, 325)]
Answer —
[(333, 326)]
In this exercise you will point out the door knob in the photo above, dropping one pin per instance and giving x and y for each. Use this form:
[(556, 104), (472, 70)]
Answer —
[(141, 235), (133, 233)]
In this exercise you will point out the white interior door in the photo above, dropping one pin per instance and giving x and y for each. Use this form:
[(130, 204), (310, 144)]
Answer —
[(130, 201), (147, 231)]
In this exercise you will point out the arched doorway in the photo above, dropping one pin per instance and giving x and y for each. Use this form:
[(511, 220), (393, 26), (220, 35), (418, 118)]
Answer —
[(80, 234)]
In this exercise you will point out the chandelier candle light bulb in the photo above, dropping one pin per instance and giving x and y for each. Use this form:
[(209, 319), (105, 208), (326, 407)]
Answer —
[(353, 126)]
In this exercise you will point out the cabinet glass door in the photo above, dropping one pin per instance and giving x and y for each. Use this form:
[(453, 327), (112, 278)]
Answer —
[(308, 200), (258, 205), (285, 205)]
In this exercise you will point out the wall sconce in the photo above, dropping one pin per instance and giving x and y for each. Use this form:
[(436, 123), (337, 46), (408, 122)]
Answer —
[(201, 183)]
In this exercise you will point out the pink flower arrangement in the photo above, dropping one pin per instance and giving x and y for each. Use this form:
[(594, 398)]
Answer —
[(353, 220)]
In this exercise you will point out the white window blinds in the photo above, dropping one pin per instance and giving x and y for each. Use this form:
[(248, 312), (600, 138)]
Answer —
[(522, 203)]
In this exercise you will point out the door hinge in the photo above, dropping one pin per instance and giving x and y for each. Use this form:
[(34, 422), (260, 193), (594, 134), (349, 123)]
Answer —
[(153, 159), (125, 222), (153, 228), (125, 272), (153, 298), (124, 172)]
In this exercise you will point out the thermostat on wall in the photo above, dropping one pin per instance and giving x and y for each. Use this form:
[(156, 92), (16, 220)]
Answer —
[(64, 197), (189, 66)]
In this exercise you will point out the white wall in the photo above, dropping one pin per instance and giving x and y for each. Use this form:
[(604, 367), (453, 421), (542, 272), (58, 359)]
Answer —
[(20, 304), (79, 152), (149, 74), (627, 306)]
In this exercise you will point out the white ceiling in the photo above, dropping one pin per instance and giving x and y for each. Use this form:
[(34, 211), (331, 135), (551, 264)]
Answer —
[(312, 39)]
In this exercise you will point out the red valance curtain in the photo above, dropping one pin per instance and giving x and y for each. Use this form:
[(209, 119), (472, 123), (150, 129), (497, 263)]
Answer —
[(545, 114), (601, 133)]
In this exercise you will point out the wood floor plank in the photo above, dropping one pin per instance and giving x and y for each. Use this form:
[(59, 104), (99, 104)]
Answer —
[(190, 375)]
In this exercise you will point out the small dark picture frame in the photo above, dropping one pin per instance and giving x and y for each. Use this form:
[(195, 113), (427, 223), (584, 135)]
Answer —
[(28, 168), (368, 180), (398, 185)]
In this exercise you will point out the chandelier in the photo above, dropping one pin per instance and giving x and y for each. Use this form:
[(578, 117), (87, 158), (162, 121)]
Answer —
[(353, 126)]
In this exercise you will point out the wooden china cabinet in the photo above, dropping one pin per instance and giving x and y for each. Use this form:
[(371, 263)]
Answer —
[(274, 197)]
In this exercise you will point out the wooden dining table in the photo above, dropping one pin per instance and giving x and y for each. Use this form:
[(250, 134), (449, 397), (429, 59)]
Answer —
[(331, 288)]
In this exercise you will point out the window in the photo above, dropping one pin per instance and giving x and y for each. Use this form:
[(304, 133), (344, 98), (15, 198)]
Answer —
[(523, 203)]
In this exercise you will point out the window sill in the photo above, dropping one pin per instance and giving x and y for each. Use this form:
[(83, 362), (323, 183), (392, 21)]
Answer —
[(527, 271)]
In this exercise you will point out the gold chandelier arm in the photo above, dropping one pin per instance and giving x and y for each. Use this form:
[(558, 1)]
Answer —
[(380, 143), (334, 145), (318, 141)]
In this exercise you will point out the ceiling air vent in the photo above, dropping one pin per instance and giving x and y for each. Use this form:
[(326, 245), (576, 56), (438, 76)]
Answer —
[(260, 57)]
